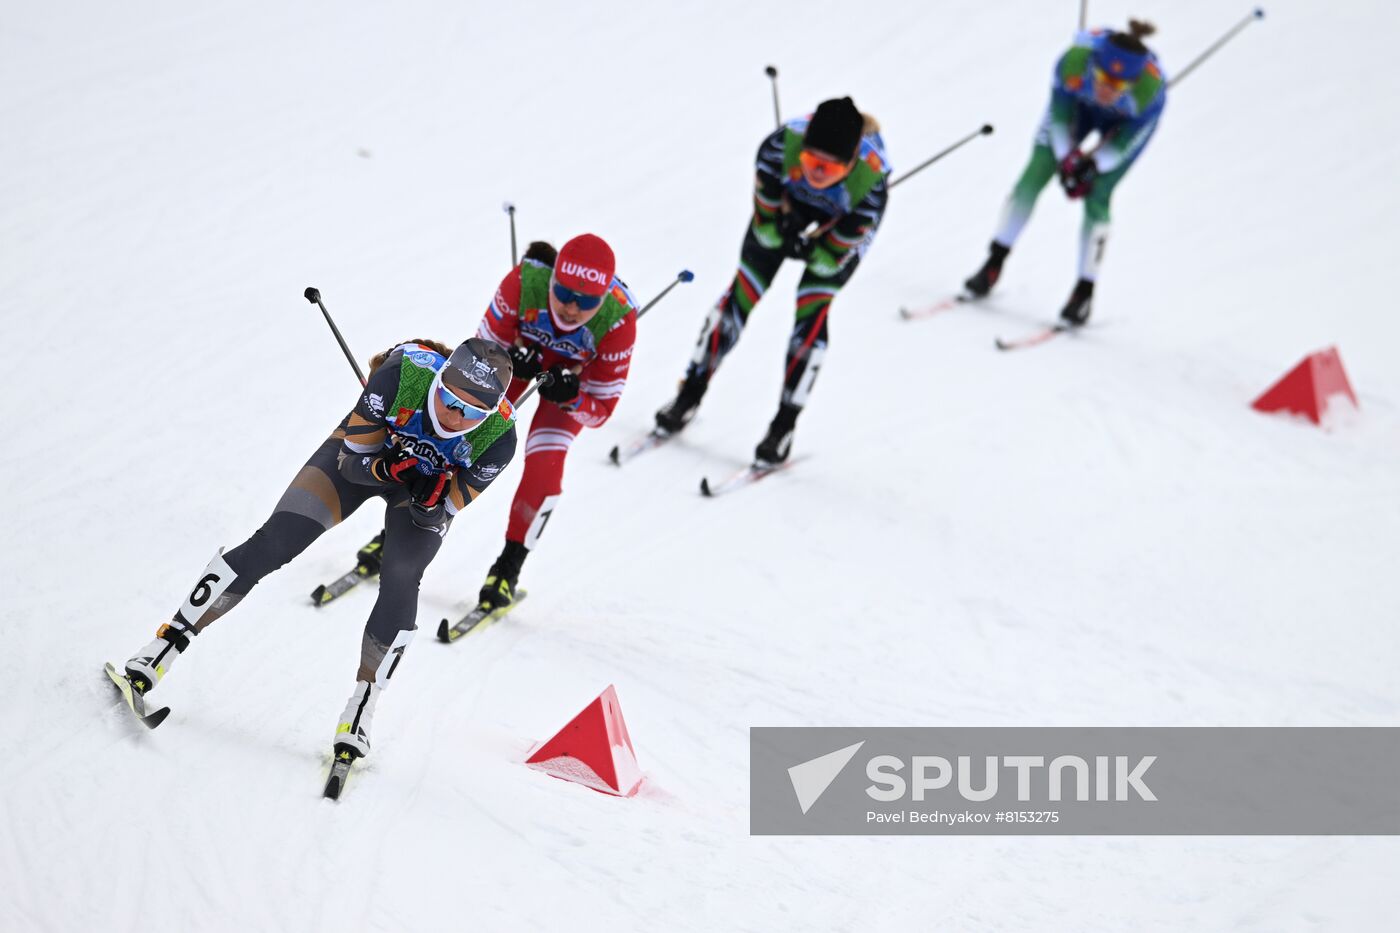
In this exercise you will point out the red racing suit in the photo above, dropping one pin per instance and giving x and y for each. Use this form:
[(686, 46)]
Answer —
[(600, 350)]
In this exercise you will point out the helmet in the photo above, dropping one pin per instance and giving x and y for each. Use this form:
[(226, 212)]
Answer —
[(481, 371)]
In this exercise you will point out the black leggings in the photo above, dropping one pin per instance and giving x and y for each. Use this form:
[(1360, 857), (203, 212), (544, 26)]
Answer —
[(318, 499)]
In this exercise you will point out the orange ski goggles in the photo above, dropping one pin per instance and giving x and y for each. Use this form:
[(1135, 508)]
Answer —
[(1104, 79), (821, 171)]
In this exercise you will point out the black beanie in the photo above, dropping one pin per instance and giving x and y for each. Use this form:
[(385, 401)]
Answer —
[(835, 129)]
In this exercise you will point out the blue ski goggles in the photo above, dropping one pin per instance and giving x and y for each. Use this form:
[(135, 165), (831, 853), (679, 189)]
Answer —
[(462, 407), (570, 297)]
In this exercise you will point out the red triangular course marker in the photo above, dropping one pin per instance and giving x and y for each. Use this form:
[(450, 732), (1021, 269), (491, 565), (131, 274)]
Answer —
[(1307, 387), (594, 750)]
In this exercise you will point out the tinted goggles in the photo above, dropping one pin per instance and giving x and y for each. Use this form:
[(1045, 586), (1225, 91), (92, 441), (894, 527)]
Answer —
[(1105, 79), (462, 407), (570, 297), (821, 171)]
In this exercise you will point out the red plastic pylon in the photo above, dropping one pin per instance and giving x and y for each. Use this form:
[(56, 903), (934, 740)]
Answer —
[(1307, 387), (594, 750)]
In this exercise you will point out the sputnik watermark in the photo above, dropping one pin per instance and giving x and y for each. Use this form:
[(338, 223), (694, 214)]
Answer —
[(1063, 781), (889, 784)]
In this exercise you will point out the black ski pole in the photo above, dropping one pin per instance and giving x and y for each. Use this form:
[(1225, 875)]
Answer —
[(685, 275), (1257, 13), (772, 74), (984, 131), (543, 379), (509, 208), (313, 295)]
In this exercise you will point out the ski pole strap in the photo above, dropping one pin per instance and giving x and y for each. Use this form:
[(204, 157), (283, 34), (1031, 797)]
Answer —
[(313, 295), (984, 130), (1257, 13), (685, 275)]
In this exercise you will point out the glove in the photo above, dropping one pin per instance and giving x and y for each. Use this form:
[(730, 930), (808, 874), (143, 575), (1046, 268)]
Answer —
[(397, 467), (1077, 174), (427, 490), (798, 247), (401, 466), (563, 387), (790, 226), (525, 361)]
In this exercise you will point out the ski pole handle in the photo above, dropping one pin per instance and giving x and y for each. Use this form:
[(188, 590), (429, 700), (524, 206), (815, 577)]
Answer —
[(985, 130), (509, 208), (685, 275), (313, 295), (1256, 13)]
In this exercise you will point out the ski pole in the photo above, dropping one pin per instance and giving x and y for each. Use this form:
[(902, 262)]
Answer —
[(772, 74), (1257, 13), (509, 208), (313, 295), (1083, 13), (543, 379), (984, 131), (685, 275)]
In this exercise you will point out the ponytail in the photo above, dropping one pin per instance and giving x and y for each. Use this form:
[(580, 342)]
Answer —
[(1140, 29)]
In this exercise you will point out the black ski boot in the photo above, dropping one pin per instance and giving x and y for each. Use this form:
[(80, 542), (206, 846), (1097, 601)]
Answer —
[(499, 589), (984, 278), (676, 415), (1076, 310), (776, 446)]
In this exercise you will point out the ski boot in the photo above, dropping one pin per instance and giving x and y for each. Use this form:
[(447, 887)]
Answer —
[(154, 661), (499, 589), (352, 732), (1076, 310), (371, 556), (677, 414), (984, 278), (776, 446)]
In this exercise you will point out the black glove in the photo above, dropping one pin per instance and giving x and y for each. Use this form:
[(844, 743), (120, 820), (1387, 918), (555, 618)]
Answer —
[(799, 247), (525, 361), (427, 489), (1077, 174), (396, 467), (563, 387), (790, 225), (401, 466)]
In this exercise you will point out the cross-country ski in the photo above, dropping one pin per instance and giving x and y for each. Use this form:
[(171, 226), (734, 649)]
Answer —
[(477, 620), (1033, 339), (743, 477), (942, 306), (134, 700)]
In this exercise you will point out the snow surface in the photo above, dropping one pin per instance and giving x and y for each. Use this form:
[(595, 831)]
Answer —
[(1095, 532)]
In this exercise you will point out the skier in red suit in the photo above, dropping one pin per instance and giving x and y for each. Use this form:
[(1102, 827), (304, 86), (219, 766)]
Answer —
[(569, 315)]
